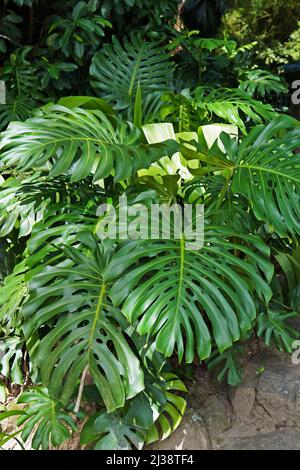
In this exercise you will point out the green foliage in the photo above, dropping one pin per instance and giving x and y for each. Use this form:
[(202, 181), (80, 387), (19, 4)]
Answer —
[(127, 429), (111, 432), (273, 327), (11, 359), (270, 177), (45, 419), (89, 320), (76, 34), (53, 139), (9, 31), (261, 83), (136, 63), (181, 283), (229, 364), (22, 86), (263, 20), (151, 16), (84, 317)]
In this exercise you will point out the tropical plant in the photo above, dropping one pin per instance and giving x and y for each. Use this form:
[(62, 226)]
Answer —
[(86, 304), (45, 420), (204, 105), (137, 65), (80, 31), (260, 83), (267, 23), (9, 31)]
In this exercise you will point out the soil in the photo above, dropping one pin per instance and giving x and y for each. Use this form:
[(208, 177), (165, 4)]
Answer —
[(262, 413)]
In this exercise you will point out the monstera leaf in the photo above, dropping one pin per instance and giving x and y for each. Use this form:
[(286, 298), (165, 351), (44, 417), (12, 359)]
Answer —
[(23, 203), (13, 293), (179, 295), (274, 327), (233, 106), (69, 294), (11, 359), (13, 212), (16, 108), (204, 105), (111, 432), (136, 62), (172, 413), (80, 142), (44, 420), (150, 416)]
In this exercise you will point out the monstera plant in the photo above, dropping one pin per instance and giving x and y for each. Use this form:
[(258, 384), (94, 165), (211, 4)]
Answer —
[(97, 319)]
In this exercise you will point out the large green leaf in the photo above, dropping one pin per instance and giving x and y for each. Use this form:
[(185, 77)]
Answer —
[(152, 415), (273, 325), (110, 431), (267, 171), (24, 201), (172, 412), (118, 70), (69, 294), (80, 142), (233, 106), (178, 295), (262, 83), (264, 168)]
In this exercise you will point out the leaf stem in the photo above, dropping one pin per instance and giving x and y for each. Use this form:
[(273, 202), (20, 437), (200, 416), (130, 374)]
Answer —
[(224, 189)]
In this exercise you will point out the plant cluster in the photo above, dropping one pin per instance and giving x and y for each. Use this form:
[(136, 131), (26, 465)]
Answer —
[(161, 118)]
